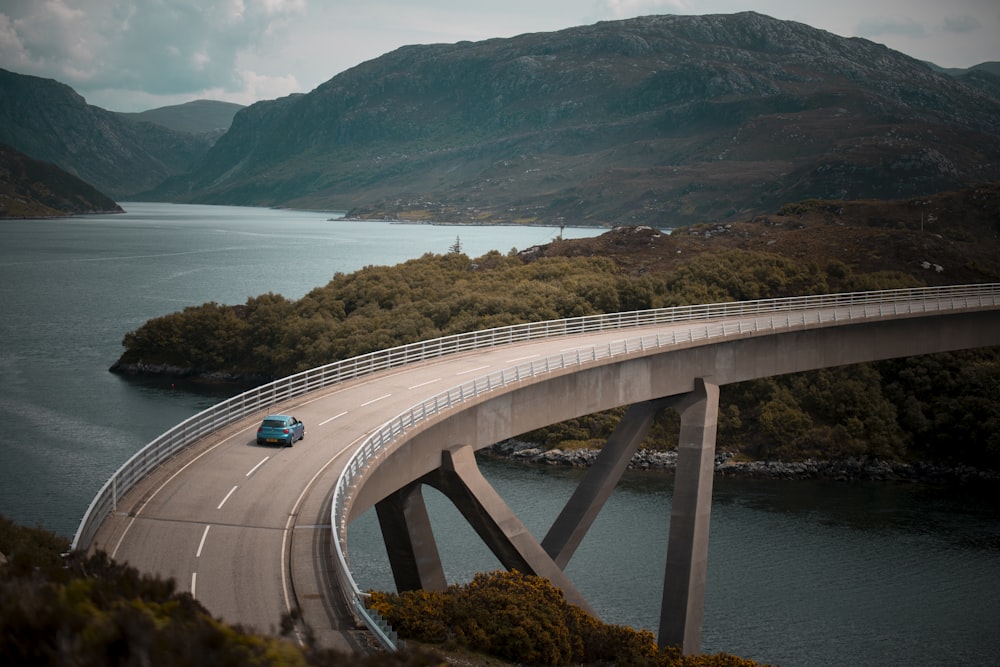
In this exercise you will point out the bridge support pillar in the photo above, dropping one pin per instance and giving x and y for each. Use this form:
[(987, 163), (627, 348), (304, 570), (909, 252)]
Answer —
[(600, 480), (683, 602), (409, 541), (460, 480)]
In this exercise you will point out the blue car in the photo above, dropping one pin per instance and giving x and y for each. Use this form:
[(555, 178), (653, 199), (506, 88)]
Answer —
[(282, 429)]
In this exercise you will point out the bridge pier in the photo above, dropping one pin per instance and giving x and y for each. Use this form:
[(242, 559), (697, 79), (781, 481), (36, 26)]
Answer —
[(600, 480), (409, 541), (416, 563), (460, 480), (683, 602)]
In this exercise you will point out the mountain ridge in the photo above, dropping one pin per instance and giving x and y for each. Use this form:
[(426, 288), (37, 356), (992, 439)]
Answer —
[(211, 117), (49, 121), (656, 120)]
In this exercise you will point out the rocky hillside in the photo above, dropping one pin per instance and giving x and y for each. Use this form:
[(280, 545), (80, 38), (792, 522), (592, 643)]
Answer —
[(33, 189), (48, 121), (663, 120), (948, 238)]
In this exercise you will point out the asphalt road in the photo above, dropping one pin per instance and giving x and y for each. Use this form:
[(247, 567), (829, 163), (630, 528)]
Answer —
[(246, 528), (224, 518)]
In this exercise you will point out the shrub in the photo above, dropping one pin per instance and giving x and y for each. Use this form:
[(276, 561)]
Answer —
[(525, 619)]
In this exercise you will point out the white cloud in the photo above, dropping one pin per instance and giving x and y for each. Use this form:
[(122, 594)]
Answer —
[(961, 23), (12, 51), (260, 86), (628, 8), (159, 47), (133, 54), (881, 26)]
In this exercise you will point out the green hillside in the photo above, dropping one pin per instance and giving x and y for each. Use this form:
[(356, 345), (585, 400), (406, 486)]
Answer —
[(33, 189)]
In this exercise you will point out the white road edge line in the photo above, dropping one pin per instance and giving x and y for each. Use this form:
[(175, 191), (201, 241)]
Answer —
[(285, 556), (145, 502), (201, 545), (472, 370), (254, 469), (376, 400), (231, 492), (327, 421), (424, 384)]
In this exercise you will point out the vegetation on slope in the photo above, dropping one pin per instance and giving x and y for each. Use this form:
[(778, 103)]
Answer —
[(62, 608), (898, 410), (66, 608), (34, 189), (525, 619)]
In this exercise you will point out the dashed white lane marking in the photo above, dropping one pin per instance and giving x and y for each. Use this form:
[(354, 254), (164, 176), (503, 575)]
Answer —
[(194, 584), (424, 384), (530, 356), (472, 370), (231, 491), (327, 421), (254, 469), (201, 545), (376, 400)]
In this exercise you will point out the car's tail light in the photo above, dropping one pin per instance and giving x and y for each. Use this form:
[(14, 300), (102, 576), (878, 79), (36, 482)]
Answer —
[(286, 431), (260, 428)]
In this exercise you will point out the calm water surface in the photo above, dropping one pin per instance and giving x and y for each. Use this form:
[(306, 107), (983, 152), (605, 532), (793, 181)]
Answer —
[(72, 288), (800, 573)]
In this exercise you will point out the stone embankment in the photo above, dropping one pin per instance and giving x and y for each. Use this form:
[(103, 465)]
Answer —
[(726, 464)]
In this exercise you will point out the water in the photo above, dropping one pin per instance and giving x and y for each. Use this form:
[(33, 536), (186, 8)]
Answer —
[(71, 289), (800, 573)]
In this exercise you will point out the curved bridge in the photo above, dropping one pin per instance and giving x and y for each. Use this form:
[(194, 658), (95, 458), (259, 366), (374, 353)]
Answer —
[(261, 531)]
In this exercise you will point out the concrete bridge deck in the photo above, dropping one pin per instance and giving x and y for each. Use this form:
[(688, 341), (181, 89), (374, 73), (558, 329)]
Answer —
[(249, 530)]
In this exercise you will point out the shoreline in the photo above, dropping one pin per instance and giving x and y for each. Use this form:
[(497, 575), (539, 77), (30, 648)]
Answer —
[(850, 469)]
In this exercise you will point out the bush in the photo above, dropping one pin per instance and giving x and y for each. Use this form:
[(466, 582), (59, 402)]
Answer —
[(69, 608), (525, 619)]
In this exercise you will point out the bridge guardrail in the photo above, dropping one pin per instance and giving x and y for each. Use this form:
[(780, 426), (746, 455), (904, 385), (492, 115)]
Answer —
[(377, 444), (232, 410)]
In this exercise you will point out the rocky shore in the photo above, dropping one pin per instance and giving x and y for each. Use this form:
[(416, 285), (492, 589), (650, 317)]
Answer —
[(727, 465), (140, 368)]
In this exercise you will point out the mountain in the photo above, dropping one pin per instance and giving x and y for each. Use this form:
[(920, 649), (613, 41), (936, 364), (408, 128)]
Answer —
[(992, 67), (663, 120), (984, 77), (49, 121), (198, 117), (33, 189)]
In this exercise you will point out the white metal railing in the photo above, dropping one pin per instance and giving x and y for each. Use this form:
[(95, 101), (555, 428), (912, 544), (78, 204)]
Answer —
[(720, 320), (250, 402), (749, 316)]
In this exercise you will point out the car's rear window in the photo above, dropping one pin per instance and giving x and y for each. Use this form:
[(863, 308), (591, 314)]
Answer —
[(276, 423)]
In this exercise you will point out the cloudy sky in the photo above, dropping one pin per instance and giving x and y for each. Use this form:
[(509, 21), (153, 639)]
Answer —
[(132, 55)]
